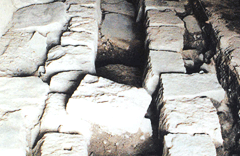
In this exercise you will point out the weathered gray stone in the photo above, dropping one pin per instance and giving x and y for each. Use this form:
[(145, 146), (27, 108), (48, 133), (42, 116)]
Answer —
[(54, 113), (111, 27), (184, 144), (191, 85), (23, 3), (191, 116), (61, 144), (69, 58), (193, 37), (84, 24), (22, 54), (165, 38), (48, 19), (85, 9), (79, 38), (22, 101), (165, 5), (157, 18), (13, 134), (66, 82), (119, 7), (161, 62), (111, 118)]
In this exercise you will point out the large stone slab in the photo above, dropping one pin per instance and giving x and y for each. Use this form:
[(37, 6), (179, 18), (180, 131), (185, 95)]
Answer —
[(157, 18), (191, 116), (22, 101), (47, 19), (61, 144), (69, 58), (161, 62), (184, 144), (119, 7), (191, 85), (22, 53), (102, 111), (165, 38)]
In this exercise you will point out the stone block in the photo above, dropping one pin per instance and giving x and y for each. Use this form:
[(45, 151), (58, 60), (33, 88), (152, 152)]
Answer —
[(13, 134), (54, 113), (22, 54), (66, 82), (102, 110), (119, 7), (61, 144), (164, 5), (184, 144), (22, 101), (69, 58), (157, 18), (192, 85), (161, 62), (191, 116), (111, 27), (79, 38), (165, 38)]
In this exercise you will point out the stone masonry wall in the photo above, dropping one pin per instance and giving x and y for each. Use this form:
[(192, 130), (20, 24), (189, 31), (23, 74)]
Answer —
[(113, 77)]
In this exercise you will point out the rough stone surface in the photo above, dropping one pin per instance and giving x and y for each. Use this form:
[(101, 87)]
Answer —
[(61, 144), (111, 27), (161, 62), (165, 38), (157, 18), (47, 19), (22, 102), (191, 85), (66, 82), (22, 54), (187, 115), (111, 117), (22, 3), (69, 58), (184, 144), (54, 113), (120, 7)]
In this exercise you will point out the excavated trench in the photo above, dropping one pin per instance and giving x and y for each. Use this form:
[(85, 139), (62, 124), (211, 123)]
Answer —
[(124, 59)]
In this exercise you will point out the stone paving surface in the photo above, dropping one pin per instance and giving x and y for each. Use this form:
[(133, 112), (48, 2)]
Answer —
[(55, 102)]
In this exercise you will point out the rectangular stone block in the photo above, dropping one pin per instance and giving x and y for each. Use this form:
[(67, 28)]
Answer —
[(187, 145), (161, 62), (192, 85), (69, 58), (191, 115), (79, 38), (61, 144), (165, 38), (157, 18), (165, 5)]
